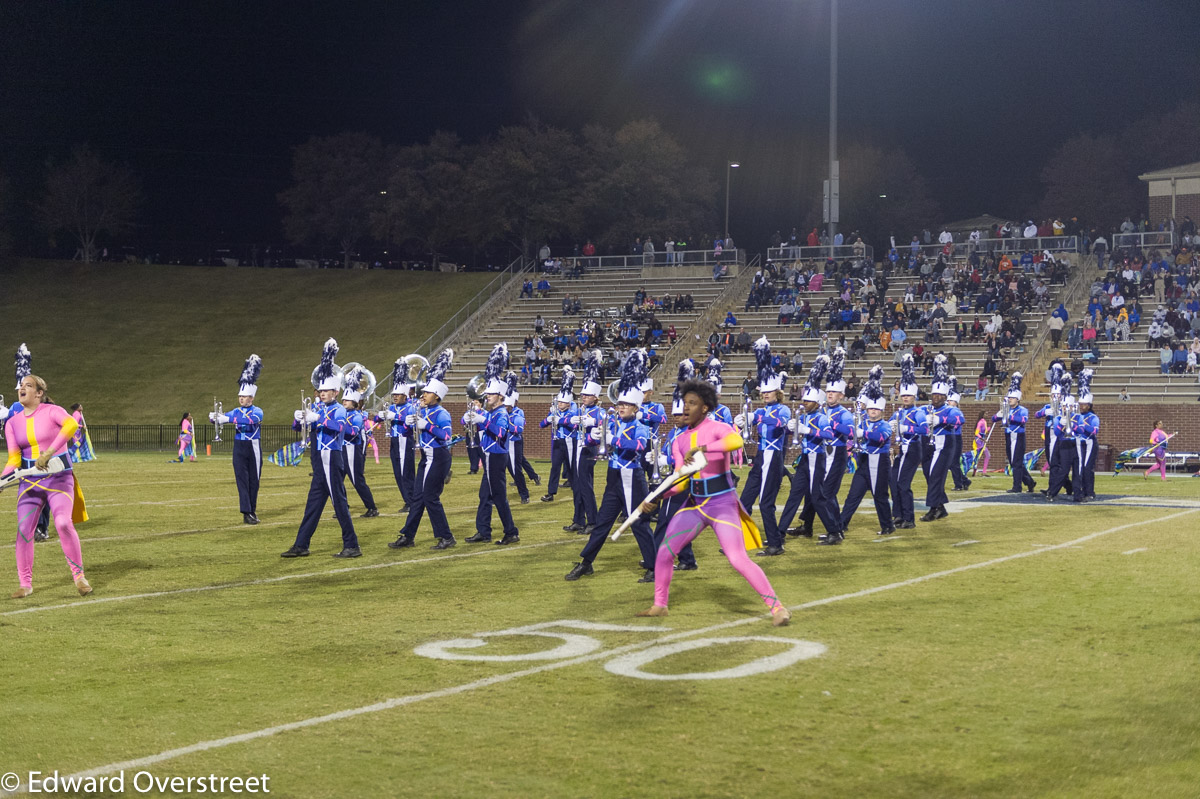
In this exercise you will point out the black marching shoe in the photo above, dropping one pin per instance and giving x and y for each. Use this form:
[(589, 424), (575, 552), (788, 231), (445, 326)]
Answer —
[(802, 530), (370, 514), (967, 486), (349, 552), (686, 567), (587, 530), (572, 528), (886, 531), (1049, 498), (445, 543), (249, 518), (832, 539), (479, 538), (770, 551), (547, 498), (942, 512), (1013, 491), (509, 538), (400, 543), (931, 515), (906, 526), (537, 481), (648, 577), (295, 552), (41, 535), (1032, 486), (524, 500), (406, 508), (581, 569)]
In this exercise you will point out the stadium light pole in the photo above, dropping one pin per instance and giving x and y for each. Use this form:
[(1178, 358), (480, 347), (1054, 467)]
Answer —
[(729, 167), (834, 178)]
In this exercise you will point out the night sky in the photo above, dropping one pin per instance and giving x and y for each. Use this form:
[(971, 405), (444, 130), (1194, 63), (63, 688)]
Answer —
[(204, 100)]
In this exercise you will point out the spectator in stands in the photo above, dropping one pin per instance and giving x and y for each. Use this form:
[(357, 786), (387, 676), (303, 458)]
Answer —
[(1179, 360), (671, 334), (981, 388), (526, 289), (730, 320), (714, 343), (544, 253), (786, 311), (1165, 356), (899, 337), (543, 287), (648, 252), (538, 324), (743, 341), (1124, 395)]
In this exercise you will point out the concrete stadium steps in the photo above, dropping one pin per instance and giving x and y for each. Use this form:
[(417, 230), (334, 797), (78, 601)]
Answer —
[(1128, 364), (599, 293)]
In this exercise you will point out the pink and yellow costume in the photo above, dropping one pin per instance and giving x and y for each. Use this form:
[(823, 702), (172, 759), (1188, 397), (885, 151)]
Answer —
[(1159, 437), (713, 503), (46, 429), (981, 450), (185, 441)]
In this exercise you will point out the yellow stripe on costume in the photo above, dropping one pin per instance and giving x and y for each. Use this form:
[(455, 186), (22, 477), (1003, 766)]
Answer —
[(34, 449), (79, 509)]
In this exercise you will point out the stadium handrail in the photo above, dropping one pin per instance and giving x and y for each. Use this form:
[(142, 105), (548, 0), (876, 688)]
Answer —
[(818, 253), (657, 258), (1016, 244), (1144, 240), (474, 308), (1076, 288)]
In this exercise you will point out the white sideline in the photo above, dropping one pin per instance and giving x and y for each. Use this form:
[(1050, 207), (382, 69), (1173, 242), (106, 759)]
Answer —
[(401, 701)]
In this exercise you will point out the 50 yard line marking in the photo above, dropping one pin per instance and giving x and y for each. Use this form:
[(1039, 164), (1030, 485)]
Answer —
[(389, 704)]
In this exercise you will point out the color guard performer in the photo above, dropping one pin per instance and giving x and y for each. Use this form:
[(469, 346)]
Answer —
[(625, 486), (354, 453), (23, 362), (712, 502), (813, 432), (841, 423), (37, 434), (430, 422), (562, 445), (81, 449), (517, 464), (400, 446), (589, 430), (941, 418), (1086, 426), (771, 424), (873, 444), (672, 504), (909, 423), (961, 481), (325, 424), (247, 440), (1015, 418)]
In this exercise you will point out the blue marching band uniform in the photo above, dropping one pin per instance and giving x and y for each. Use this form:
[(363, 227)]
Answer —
[(1015, 417), (770, 425), (563, 441), (813, 433), (841, 425), (589, 437), (518, 465), (354, 453), (247, 440), (911, 428), (495, 429), (401, 445), (873, 444)]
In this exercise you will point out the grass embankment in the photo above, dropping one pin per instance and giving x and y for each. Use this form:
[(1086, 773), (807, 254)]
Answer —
[(141, 344)]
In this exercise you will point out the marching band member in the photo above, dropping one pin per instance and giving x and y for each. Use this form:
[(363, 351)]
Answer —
[(494, 429), (400, 445), (1014, 436), (625, 484), (431, 423), (1064, 472), (981, 448), (516, 463), (961, 482), (562, 445), (23, 362), (325, 424), (771, 423), (841, 423), (1085, 425), (941, 418), (186, 429), (472, 438), (81, 449), (808, 481), (35, 435), (652, 414), (672, 504), (247, 440), (354, 453), (872, 457), (589, 428), (712, 502), (1047, 415), (909, 423), (713, 376)]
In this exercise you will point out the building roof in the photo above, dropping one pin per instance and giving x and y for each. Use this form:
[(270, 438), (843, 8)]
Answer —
[(1185, 171)]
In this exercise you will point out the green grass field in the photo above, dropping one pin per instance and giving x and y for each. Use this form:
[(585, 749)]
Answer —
[(142, 344), (1053, 656)]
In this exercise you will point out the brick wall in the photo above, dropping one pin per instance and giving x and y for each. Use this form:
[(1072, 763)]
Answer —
[(1122, 427), (1185, 205)]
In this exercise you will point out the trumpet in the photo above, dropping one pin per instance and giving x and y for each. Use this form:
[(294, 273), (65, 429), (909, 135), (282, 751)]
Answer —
[(748, 422), (217, 409)]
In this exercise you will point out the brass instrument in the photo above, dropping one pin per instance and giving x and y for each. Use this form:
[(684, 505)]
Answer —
[(475, 387), (858, 418), (418, 367), (747, 410), (368, 390), (613, 393), (305, 408), (217, 409)]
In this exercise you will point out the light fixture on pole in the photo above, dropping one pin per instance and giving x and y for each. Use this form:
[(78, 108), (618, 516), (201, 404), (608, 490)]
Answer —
[(729, 167)]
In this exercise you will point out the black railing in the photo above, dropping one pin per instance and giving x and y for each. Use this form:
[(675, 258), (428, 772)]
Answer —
[(163, 437)]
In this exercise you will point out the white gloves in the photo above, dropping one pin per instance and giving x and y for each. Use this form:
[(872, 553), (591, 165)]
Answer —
[(860, 433), (798, 427), (574, 420), (933, 419), (410, 419), (588, 421), (389, 416), (594, 434), (212, 417), (422, 423), (640, 415), (479, 418), (298, 416), (312, 416), (739, 421), (610, 438)]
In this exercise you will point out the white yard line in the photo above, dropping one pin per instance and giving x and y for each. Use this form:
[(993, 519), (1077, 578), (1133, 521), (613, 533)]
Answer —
[(1135, 551), (966, 543), (603, 654)]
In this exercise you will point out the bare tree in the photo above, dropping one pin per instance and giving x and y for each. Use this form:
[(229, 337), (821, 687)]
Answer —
[(86, 196)]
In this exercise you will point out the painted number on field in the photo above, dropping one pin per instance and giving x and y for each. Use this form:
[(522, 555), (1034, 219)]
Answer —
[(628, 665)]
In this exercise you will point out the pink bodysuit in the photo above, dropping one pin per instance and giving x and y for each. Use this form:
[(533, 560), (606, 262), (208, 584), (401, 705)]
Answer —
[(46, 429)]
